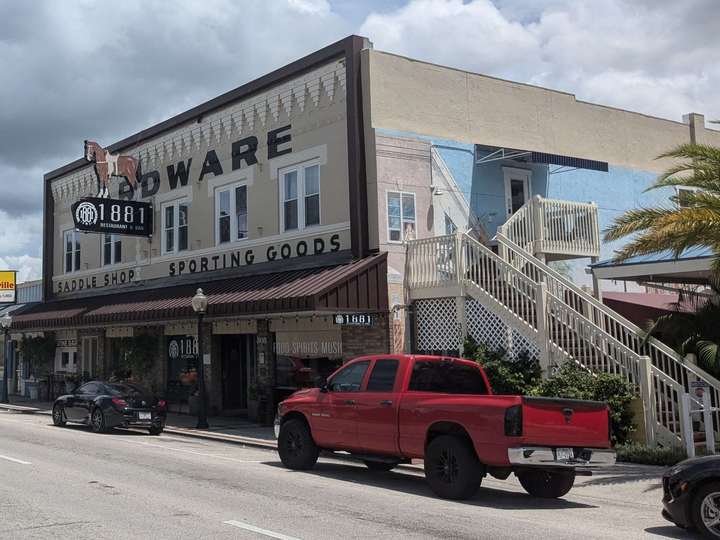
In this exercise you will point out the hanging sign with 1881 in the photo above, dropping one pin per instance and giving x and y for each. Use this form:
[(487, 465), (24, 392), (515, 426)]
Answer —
[(111, 216)]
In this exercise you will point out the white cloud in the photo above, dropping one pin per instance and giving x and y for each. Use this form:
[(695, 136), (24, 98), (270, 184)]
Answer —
[(315, 7), (28, 268), (654, 57)]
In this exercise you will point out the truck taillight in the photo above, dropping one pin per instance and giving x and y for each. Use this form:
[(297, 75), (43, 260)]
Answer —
[(513, 421)]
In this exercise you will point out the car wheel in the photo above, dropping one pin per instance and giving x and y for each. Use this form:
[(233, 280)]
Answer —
[(546, 484), (97, 420), (705, 510), (58, 415), (156, 430), (381, 466), (296, 446), (451, 468)]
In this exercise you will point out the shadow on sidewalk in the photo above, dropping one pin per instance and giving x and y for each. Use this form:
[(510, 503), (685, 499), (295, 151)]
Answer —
[(407, 482)]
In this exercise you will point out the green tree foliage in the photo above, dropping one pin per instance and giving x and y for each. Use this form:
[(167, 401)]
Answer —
[(507, 376), (138, 354), (39, 352)]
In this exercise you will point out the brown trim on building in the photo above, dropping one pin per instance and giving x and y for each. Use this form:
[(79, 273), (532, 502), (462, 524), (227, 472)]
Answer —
[(358, 285)]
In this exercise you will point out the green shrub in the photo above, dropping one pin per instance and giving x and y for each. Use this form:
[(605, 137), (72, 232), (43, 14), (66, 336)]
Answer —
[(639, 453), (507, 376), (574, 382)]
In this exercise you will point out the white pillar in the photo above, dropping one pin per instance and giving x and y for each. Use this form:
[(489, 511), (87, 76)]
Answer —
[(647, 394)]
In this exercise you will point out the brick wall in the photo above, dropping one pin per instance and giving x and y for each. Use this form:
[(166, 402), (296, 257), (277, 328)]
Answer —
[(361, 340)]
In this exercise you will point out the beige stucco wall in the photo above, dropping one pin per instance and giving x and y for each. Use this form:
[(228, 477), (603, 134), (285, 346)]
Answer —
[(316, 112), (419, 97)]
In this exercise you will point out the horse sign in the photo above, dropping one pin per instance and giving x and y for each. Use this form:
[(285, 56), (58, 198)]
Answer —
[(108, 165)]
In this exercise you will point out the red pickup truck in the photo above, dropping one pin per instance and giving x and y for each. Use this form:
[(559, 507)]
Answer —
[(389, 409)]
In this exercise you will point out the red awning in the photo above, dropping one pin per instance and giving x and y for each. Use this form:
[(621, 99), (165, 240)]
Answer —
[(358, 285)]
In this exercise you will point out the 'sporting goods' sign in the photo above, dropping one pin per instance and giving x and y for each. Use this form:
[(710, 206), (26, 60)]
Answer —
[(100, 215), (8, 291)]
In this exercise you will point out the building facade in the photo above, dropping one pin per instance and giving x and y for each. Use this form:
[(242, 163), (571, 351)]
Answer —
[(309, 193)]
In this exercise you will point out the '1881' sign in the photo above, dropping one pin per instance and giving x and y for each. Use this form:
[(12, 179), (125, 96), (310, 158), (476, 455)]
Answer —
[(101, 215)]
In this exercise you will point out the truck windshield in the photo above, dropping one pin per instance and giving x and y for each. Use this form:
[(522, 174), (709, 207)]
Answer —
[(447, 377)]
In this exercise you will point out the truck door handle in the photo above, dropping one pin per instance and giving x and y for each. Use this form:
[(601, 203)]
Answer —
[(349, 402), (386, 402)]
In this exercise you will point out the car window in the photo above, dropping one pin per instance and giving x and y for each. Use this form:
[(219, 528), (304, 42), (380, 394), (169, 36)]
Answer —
[(446, 377), (124, 389), (382, 376), (89, 388), (350, 378)]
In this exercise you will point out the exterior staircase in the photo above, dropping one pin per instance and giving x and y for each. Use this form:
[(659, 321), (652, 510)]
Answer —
[(564, 322)]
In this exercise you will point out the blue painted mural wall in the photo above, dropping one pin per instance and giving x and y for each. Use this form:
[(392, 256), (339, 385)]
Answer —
[(618, 190)]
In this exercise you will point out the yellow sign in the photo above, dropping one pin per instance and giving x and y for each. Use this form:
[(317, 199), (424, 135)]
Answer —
[(7, 286)]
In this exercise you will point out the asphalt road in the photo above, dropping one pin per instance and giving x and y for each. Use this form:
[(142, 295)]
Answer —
[(71, 483)]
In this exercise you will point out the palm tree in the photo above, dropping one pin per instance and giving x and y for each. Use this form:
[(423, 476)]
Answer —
[(694, 218)]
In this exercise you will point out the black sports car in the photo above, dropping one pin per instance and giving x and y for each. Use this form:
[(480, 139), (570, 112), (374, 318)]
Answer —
[(105, 405), (691, 495)]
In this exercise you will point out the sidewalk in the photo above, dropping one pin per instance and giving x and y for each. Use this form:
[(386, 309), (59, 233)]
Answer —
[(222, 428)]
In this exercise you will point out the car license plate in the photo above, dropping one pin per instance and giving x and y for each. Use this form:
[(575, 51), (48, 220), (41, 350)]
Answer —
[(144, 416), (564, 454)]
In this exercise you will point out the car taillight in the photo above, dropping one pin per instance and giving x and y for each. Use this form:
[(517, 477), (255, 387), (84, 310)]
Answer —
[(513, 421), (120, 403), (161, 404)]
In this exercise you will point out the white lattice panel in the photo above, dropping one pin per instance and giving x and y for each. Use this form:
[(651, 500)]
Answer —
[(486, 327), (437, 327)]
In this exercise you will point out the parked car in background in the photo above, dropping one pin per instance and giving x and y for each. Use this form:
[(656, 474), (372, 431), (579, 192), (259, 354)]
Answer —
[(105, 405), (691, 495), (389, 409)]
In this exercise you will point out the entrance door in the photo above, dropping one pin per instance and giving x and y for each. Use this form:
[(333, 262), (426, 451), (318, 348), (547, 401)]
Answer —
[(89, 360), (517, 189), (234, 354)]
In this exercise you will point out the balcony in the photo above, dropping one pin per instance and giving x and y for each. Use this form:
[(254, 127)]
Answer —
[(554, 230)]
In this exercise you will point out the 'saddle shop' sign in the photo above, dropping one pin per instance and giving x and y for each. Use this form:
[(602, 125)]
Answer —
[(8, 290)]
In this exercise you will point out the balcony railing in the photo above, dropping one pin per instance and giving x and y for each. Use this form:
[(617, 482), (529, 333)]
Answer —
[(562, 229)]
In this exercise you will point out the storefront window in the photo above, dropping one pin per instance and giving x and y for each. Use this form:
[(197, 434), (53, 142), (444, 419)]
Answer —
[(292, 372)]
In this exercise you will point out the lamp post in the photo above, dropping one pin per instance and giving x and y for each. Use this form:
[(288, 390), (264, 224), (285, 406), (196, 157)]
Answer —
[(5, 323), (199, 305)]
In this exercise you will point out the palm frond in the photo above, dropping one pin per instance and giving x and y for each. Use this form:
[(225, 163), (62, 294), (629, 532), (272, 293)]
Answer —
[(709, 354), (634, 221)]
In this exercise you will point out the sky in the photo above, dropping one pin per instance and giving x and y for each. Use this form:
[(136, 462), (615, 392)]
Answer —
[(88, 69)]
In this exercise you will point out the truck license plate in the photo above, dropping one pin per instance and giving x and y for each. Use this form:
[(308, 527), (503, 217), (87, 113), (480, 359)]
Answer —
[(564, 454), (144, 416)]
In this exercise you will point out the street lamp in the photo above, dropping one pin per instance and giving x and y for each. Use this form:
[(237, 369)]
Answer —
[(199, 304), (5, 323)]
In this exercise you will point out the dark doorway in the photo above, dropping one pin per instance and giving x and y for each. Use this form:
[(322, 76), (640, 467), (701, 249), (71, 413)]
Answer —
[(235, 352)]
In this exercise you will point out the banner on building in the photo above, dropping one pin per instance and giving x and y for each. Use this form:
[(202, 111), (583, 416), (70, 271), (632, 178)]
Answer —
[(8, 287), (113, 216)]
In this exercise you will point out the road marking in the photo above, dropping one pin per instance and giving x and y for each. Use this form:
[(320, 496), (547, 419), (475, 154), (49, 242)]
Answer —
[(265, 532), (14, 460), (186, 451)]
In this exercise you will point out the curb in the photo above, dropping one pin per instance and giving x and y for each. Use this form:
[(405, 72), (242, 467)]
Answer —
[(232, 439), (23, 409)]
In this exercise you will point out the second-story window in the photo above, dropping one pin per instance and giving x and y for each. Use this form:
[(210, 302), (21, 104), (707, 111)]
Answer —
[(72, 251), (175, 223), (112, 249), (300, 196), (401, 216), (231, 213)]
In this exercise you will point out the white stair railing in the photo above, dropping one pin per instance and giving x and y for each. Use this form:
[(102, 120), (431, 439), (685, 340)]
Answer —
[(555, 227)]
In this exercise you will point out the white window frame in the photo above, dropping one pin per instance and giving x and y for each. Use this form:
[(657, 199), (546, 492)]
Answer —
[(233, 211), (510, 174), (175, 204), (301, 196), (75, 242), (114, 238), (402, 218)]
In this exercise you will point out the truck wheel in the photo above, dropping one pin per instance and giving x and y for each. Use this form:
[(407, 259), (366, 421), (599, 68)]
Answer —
[(451, 468), (381, 466), (296, 446), (546, 484)]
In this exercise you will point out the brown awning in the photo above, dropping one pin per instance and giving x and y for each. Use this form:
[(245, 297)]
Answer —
[(358, 285)]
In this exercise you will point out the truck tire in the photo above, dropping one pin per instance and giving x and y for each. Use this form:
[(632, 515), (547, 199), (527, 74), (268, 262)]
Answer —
[(296, 447), (546, 484), (452, 469), (380, 466)]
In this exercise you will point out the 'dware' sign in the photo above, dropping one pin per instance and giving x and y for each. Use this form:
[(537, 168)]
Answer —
[(7, 286)]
